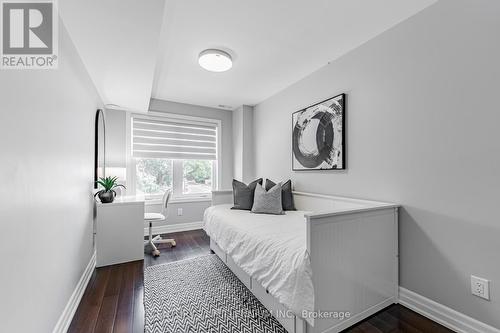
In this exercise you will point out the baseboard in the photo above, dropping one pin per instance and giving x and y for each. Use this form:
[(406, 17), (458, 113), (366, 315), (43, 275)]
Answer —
[(362, 315), (169, 228), (442, 314), (73, 302)]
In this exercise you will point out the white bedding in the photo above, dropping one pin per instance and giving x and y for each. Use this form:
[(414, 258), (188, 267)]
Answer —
[(270, 248)]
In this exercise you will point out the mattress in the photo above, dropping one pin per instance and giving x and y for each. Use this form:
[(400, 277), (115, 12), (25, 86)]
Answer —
[(269, 248)]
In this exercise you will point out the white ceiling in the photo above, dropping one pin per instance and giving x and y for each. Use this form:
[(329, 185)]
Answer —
[(274, 43), (118, 43), (136, 50)]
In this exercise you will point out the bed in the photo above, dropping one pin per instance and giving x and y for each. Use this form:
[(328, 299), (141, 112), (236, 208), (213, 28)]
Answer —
[(322, 268)]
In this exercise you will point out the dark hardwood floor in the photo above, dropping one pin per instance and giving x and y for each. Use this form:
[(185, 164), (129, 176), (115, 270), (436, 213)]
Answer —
[(113, 299)]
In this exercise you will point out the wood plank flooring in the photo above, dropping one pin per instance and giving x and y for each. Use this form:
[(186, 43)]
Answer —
[(113, 299)]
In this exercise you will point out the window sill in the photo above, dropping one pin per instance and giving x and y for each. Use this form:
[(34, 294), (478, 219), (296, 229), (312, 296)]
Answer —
[(149, 202)]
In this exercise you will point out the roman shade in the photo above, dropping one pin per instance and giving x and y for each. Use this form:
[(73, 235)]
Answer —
[(173, 139)]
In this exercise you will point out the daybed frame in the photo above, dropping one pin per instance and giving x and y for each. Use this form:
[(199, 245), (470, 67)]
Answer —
[(353, 248)]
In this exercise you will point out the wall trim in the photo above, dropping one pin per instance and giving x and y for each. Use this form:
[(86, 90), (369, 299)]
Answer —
[(442, 314), (169, 228), (74, 301)]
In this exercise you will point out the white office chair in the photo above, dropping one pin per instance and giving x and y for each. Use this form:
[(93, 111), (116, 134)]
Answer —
[(158, 217)]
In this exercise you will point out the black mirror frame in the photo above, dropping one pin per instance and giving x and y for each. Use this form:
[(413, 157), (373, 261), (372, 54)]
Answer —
[(99, 116)]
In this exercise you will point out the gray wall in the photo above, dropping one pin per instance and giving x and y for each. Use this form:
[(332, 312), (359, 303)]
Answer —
[(422, 130), (47, 131)]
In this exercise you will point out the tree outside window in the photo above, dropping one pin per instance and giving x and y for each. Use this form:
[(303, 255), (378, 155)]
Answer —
[(197, 176), (153, 175), (191, 177)]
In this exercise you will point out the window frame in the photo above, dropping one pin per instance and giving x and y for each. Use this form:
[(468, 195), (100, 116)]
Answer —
[(177, 165), (178, 181)]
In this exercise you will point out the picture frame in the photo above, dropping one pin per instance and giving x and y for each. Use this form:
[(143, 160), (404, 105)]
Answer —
[(318, 136)]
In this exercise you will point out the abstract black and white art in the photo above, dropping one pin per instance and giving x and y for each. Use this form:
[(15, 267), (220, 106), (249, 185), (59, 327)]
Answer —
[(318, 136)]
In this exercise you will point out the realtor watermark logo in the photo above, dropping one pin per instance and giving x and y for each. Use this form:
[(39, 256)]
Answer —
[(29, 36)]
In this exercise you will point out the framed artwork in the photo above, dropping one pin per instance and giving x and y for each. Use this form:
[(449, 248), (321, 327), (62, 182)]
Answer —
[(318, 140)]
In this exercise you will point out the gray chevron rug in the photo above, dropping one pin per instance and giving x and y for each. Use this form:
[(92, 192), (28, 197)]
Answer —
[(202, 295)]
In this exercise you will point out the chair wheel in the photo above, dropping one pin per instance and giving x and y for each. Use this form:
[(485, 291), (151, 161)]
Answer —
[(155, 253)]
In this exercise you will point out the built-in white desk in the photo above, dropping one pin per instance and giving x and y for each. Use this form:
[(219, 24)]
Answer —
[(120, 231)]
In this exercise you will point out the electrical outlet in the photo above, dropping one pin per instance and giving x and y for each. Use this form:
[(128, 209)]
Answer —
[(179, 211), (480, 287)]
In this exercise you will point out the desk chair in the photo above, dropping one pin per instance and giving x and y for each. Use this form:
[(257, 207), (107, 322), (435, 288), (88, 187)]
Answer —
[(158, 217)]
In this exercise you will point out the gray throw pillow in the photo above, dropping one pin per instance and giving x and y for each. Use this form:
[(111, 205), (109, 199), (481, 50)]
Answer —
[(243, 194), (286, 193), (267, 202)]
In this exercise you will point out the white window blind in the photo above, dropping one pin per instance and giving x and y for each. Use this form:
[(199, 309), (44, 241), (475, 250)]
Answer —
[(173, 139)]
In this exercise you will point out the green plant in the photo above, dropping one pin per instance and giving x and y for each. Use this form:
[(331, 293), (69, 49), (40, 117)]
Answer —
[(109, 184)]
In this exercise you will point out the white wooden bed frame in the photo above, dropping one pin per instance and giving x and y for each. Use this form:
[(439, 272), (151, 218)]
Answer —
[(353, 247)]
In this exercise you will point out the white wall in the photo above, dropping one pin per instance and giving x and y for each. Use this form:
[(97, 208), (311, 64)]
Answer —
[(116, 136), (422, 130), (47, 147), (191, 212), (238, 143), (243, 164)]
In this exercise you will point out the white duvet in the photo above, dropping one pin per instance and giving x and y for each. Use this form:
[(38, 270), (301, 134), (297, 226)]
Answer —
[(270, 248)]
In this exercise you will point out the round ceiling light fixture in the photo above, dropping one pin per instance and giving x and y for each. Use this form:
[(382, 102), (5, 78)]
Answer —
[(215, 60)]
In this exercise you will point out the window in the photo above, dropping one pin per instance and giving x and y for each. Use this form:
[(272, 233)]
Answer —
[(173, 154), (197, 177), (185, 177), (153, 176)]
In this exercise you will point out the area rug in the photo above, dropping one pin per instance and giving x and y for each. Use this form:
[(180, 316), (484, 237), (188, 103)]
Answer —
[(202, 295)]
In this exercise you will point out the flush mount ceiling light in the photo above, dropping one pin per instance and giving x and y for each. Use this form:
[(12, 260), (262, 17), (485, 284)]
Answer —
[(215, 60)]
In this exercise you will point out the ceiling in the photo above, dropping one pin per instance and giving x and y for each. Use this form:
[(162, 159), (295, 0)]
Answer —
[(118, 43), (137, 50)]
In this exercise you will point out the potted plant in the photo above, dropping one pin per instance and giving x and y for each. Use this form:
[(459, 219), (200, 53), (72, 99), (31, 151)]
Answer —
[(108, 194)]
